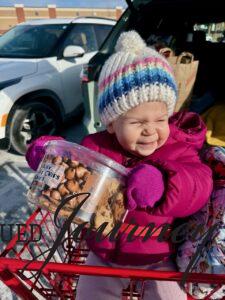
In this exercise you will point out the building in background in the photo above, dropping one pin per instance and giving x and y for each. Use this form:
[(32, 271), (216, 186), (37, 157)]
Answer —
[(11, 16)]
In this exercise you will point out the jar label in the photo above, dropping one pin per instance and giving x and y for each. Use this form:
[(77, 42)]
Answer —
[(50, 174)]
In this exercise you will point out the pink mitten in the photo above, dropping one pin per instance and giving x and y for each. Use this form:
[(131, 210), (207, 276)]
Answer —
[(144, 186), (35, 152)]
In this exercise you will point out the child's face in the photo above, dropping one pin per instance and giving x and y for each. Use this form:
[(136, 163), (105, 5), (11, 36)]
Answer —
[(143, 129)]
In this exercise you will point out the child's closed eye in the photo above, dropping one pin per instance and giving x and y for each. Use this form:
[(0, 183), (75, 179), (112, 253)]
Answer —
[(135, 122), (162, 120)]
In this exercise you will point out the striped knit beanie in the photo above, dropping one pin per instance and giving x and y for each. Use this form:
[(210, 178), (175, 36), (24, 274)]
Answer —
[(133, 75)]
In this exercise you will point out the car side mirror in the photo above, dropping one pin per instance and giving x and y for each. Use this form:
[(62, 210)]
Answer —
[(73, 51)]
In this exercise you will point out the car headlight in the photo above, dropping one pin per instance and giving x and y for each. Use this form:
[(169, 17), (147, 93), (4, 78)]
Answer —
[(10, 82)]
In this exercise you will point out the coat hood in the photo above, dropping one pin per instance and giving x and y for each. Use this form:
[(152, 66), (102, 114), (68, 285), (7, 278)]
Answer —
[(188, 127)]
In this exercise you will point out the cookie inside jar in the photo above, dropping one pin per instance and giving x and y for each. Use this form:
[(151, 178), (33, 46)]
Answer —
[(110, 208), (71, 178)]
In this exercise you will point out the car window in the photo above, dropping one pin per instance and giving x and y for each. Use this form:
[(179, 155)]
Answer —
[(212, 32), (101, 32), (82, 35), (30, 41)]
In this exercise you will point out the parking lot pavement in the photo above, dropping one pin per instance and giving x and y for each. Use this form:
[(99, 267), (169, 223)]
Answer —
[(15, 179)]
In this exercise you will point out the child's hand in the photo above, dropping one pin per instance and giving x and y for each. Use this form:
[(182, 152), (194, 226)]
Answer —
[(35, 152), (144, 186)]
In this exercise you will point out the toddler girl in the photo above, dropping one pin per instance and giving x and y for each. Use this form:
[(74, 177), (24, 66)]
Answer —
[(167, 180)]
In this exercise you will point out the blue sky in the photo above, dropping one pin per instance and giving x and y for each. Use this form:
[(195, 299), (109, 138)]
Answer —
[(66, 3)]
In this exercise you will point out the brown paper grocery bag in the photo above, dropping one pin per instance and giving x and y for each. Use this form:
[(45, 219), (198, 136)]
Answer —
[(185, 71)]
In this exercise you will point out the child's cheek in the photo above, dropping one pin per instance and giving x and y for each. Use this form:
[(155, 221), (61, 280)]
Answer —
[(164, 134), (131, 138)]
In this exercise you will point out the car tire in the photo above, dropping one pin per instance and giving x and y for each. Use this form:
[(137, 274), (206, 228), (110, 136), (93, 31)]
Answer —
[(28, 122)]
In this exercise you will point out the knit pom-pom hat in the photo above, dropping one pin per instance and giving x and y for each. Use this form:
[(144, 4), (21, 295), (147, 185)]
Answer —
[(133, 75)]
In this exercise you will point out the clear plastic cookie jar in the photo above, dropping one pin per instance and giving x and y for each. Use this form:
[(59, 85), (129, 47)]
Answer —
[(69, 170)]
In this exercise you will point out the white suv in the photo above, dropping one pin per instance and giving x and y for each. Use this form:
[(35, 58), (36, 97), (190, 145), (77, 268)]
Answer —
[(40, 65)]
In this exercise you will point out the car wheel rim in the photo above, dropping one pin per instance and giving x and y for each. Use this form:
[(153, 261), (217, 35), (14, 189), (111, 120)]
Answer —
[(37, 124)]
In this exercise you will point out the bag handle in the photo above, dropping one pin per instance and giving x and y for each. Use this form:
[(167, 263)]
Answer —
[(183, 55), (166, 50)]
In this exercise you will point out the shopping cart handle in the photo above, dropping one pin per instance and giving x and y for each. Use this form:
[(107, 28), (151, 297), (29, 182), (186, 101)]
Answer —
[(15, 265)]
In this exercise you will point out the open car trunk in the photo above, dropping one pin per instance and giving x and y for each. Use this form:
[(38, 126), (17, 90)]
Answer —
[(194, 26)]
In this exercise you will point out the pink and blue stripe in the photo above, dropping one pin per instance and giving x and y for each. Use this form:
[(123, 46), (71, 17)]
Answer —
[(146, 62), (124, 83)]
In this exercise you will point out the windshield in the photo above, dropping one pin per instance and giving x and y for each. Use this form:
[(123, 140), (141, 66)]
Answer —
[(30, 41)]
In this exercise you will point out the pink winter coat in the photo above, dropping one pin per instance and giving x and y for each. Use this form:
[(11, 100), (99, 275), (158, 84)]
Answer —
[(188, 185)]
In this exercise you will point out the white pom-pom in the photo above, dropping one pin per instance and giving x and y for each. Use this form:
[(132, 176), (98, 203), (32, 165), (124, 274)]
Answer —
[(131, 42)]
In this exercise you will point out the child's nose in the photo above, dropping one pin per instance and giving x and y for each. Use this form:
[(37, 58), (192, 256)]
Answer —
[(148, 130)]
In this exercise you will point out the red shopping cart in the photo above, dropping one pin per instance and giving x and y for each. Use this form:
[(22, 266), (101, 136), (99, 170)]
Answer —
[(20, 264)]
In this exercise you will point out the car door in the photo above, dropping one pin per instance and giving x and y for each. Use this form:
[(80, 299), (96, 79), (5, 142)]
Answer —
[(82, 35)]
